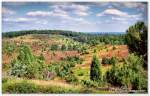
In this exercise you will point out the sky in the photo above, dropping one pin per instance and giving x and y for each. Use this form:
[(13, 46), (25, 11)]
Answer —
[(74, 16)]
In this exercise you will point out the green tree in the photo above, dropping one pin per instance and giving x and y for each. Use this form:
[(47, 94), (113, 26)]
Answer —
[(27, 65), (136, 39), (95, 72)]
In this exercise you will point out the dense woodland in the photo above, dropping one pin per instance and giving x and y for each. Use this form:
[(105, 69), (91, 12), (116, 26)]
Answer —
[(100, 75)]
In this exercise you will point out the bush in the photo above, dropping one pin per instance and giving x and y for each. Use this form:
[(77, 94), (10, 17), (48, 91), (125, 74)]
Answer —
[(114, 77), (89, 83), (109, 60), (95, 72), (54, 47), (9, 48), (21, 87), (113, 60), (130, 74), (63, 47), (4, 80), (71, 78), (27, 65), (63, 68), (74, 59)]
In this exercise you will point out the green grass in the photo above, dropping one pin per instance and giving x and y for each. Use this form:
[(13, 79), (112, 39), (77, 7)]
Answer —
[(82, 73), (13, 85), (18, 85)]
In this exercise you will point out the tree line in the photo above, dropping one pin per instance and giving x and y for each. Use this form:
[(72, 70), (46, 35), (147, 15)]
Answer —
[(92, 39)]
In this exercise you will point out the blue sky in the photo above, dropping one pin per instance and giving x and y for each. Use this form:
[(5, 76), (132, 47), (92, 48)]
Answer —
[(81, 16)]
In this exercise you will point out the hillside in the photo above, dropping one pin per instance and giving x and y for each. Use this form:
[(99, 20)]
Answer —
[(68, 62)]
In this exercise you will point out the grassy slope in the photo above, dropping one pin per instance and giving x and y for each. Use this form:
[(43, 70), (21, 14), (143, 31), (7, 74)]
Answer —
[(43, 40)]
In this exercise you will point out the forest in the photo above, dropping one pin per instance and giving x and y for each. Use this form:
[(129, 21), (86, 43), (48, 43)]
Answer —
[(60, 61)]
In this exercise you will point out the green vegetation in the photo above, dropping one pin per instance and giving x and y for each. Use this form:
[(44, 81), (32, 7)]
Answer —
[(27, 65), (137, 39), (92, 39), (9, 48), (108, 60), (23, 86), (95, 72), (35, 61), (130, 75)]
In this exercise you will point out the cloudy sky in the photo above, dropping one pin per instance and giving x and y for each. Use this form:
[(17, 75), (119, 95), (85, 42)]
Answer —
[(83, 17)]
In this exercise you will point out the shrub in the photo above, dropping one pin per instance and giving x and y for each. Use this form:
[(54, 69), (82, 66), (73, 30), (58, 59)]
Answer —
[(63, 68), (21, 87), (63, 47), (113, 60), (54, 47), (109, 60), (74, 59), (89, 83), (71, 78), (9, 48), (4, 80), (130, 74), (95, 72), (27, 65)]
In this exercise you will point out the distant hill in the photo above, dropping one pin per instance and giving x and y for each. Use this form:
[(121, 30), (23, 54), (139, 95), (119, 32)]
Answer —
[(105, 33)]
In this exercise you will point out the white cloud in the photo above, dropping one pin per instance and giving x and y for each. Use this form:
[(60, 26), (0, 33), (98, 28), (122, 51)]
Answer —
[(56, 12), (79, 10), (7, 11), (126, 20), (120, 14), (113, 11), (39, 13), (18, 20)]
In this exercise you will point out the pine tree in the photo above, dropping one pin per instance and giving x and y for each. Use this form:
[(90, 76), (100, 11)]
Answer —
[(95, 72), (136, 39)]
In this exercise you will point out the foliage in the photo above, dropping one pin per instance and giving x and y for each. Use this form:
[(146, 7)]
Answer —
[(111, 60), (71, 78), (105, 60), (89, 83), (54, 47), (63, 47), (29, 87), (113, 76), (8, 47), (74, 59), (130, 74), (136, 39), (27, 65), (95, 72), (92, 39), (21, 87), (63, 68)]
